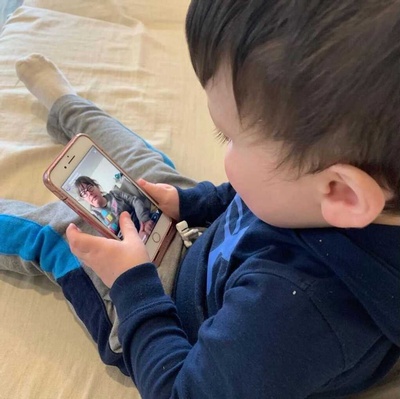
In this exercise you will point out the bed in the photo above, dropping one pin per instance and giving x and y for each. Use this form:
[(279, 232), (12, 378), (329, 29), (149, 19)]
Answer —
[(130, 58)]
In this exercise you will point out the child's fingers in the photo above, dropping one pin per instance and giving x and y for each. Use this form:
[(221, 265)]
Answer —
[(81, 244), (145, 185), (127, 227), (73, 226), (157, 191), (73, 236), (150, 188), (141, 182), (165, 195), (73, 233)]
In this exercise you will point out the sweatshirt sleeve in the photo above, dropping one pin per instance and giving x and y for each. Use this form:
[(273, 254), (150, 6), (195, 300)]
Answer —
[(142, 212), (202, 204), (254, 347)]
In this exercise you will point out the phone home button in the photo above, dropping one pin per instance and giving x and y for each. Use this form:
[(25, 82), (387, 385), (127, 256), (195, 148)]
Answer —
[(156, 237)]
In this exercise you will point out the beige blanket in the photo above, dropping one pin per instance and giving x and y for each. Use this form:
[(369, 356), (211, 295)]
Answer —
[(130, 58)]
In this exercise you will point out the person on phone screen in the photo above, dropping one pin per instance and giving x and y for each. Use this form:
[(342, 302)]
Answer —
[(293, 289), (107, 207)]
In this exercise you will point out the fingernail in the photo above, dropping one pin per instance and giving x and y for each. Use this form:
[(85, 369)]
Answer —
[(74, 226)]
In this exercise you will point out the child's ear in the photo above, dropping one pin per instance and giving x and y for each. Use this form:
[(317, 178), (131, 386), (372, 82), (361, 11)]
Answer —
[(351, 197)]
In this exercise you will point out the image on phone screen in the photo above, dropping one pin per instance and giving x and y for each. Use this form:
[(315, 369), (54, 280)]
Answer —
[(105, 192)]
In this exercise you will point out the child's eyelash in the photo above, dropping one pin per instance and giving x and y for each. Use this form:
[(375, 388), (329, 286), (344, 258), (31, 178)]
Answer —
[(221, 138)]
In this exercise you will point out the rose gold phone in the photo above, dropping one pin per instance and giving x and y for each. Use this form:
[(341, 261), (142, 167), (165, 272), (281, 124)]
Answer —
[(98, 190)]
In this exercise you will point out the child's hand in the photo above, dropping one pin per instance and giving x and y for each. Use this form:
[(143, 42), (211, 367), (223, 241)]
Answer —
[(166, 196), (109, 258), (147, 227)]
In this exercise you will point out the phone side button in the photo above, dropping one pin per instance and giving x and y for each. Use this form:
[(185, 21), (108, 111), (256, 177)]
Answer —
[(156, 237)]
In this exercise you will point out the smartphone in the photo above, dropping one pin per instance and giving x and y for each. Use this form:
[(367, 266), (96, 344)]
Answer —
[(98, 190)]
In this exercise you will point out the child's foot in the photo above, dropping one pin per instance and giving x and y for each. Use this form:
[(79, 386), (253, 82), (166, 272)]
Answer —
[(43, 79)]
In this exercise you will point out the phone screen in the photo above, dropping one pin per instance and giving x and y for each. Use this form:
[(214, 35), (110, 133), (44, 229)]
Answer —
[(105, 192)]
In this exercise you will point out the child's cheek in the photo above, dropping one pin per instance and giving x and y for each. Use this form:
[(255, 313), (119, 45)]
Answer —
[(229, 162)]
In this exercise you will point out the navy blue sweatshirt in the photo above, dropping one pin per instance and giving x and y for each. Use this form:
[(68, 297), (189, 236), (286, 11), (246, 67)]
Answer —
[(261, 311)]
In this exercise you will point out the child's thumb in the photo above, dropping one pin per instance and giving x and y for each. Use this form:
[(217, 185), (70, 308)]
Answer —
[(153, 190), (126, 225)]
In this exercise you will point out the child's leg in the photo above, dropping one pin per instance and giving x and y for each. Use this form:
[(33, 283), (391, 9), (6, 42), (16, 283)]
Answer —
[(34, 238), (32, 242), (70, 114)]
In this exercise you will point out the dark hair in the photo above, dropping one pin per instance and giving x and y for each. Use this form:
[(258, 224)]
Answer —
[(85, 180), (323, 77), (82, 181)]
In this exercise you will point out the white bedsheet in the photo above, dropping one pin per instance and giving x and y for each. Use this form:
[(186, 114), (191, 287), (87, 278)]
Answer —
[(130, 58)]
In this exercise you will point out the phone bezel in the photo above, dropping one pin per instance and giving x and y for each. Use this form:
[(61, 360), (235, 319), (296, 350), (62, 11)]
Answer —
[(65, 164)]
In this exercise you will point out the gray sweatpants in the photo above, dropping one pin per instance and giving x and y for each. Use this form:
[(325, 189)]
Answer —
[(35, 242)]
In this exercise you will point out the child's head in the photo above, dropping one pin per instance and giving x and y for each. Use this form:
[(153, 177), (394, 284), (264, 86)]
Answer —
[(309, 89)]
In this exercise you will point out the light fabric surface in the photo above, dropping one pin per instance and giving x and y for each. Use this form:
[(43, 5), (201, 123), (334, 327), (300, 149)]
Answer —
[(7, 7), (130, 58)]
